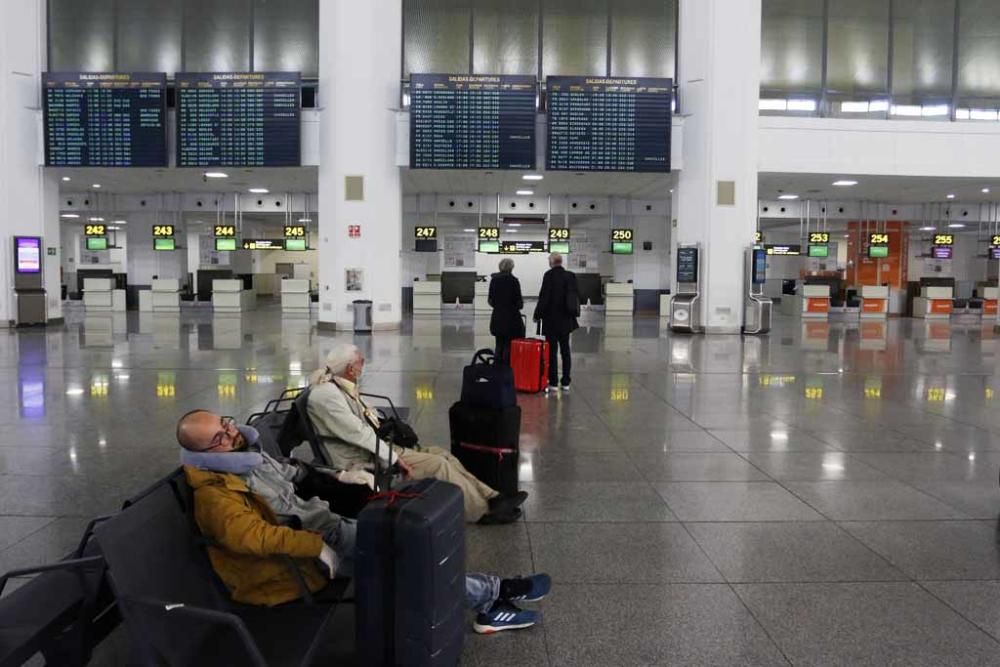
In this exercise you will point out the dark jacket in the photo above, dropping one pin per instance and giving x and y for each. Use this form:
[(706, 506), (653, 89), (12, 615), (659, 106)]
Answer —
[(505, 299), (552, 310)]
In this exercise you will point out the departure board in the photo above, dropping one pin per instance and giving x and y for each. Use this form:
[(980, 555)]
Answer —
[(460, 121), (608, 124), (105, 119), (238, 119)]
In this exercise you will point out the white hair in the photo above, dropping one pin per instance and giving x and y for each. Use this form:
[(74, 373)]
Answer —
[(555, 259), (340, 357)]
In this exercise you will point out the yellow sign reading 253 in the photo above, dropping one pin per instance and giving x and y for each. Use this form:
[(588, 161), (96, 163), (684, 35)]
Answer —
[(819, 237), (162, 231)]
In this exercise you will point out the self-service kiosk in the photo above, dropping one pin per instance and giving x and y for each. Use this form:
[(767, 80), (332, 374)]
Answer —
[(757, 307), (28, 291), (685, 307)]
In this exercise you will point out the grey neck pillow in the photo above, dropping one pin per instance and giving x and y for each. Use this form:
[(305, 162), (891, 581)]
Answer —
[(236, 463)]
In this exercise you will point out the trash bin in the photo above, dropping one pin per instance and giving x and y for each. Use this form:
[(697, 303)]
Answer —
[(363, 316)]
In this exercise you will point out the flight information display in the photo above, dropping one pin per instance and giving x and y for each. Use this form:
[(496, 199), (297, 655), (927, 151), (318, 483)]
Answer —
[(608, 124), (105, 119), (461, 121), (238, 119)]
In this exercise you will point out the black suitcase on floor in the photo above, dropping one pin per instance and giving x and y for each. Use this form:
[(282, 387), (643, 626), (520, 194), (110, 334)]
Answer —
[(410, 576), (486, 441)]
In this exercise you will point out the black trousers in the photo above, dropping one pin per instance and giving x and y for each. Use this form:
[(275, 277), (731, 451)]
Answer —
[(345, 499), (503, 350), (559, 346)]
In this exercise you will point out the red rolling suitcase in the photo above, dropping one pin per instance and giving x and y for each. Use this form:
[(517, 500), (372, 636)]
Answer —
[(529, 357)]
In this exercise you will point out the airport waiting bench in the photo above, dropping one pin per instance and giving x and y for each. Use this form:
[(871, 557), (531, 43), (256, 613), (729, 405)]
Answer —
[(148, 566)]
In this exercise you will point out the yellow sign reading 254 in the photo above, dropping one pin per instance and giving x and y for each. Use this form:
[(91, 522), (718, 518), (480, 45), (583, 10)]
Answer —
[(878, 239), (162, 231)]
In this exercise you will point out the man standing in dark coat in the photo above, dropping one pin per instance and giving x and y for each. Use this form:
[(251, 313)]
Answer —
[(505, 299), (557, 310)]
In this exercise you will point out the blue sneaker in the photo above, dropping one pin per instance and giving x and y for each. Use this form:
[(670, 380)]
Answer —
[(525, 589), (504, 616)]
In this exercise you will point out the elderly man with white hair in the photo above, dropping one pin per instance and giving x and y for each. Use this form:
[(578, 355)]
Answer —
[(349, 431)]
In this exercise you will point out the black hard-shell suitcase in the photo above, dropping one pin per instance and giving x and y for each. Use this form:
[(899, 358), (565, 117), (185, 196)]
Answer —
[(410, 576), (486, 383), (487, 443)]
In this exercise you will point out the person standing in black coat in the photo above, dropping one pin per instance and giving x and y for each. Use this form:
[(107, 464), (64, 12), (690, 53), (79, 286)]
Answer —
[(557, 310), (505, 299)]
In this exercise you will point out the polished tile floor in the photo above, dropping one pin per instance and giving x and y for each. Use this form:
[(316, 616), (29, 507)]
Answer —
[(823, 495)]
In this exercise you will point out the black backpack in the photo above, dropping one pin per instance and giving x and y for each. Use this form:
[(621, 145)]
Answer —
[(487, 384)]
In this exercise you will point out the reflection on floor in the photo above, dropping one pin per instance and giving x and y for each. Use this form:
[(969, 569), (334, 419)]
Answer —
[(826, 494)]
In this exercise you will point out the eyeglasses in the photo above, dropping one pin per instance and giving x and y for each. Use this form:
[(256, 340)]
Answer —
[(227, 424)]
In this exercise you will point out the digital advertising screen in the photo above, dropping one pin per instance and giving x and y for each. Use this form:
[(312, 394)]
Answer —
[(941, 251), (759, 276), (687, 265), (608, 124), (463, 121), (28, 254), (238, 119), (105, 119)]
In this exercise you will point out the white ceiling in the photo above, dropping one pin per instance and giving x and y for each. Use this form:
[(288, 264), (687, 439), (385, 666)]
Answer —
[(459, 181), (889, 189), (153, 180)]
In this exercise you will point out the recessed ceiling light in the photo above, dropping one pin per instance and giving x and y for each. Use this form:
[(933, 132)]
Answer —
[(951, 196), (513, 224), (66, 179), (259, 191), (96, 186), (112, 228), (469, 231), (956, 225), (985, 190), (845, 183), (788, 197), (305, 220), (927, 229), (525, 193), (96, 219), (216, 174), (120, 222), (70, 216), (532, 177)]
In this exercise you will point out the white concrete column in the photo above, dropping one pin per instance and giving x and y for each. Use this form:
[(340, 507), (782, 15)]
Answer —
[(719, 83), (29, 196), (359, 67)]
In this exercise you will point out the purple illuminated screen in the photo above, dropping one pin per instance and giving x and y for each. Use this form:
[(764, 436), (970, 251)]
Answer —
[(29, 254), (941, 251)]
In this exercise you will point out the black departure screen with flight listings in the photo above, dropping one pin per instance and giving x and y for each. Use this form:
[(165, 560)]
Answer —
[(462, 121), (608, 124), (105, 119), (238, 119)]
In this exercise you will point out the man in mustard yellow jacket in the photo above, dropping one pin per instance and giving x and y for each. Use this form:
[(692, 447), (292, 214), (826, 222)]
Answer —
[(249, 542)]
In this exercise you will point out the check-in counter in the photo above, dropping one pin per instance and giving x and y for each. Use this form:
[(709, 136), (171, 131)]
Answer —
[(874, 302), (990, 298), (145, 301), (934, 303), (816, 302), (295, 295), (98, 294), (619, 299), (228, 296), (427, 296), (481, 300), (166, 295)]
